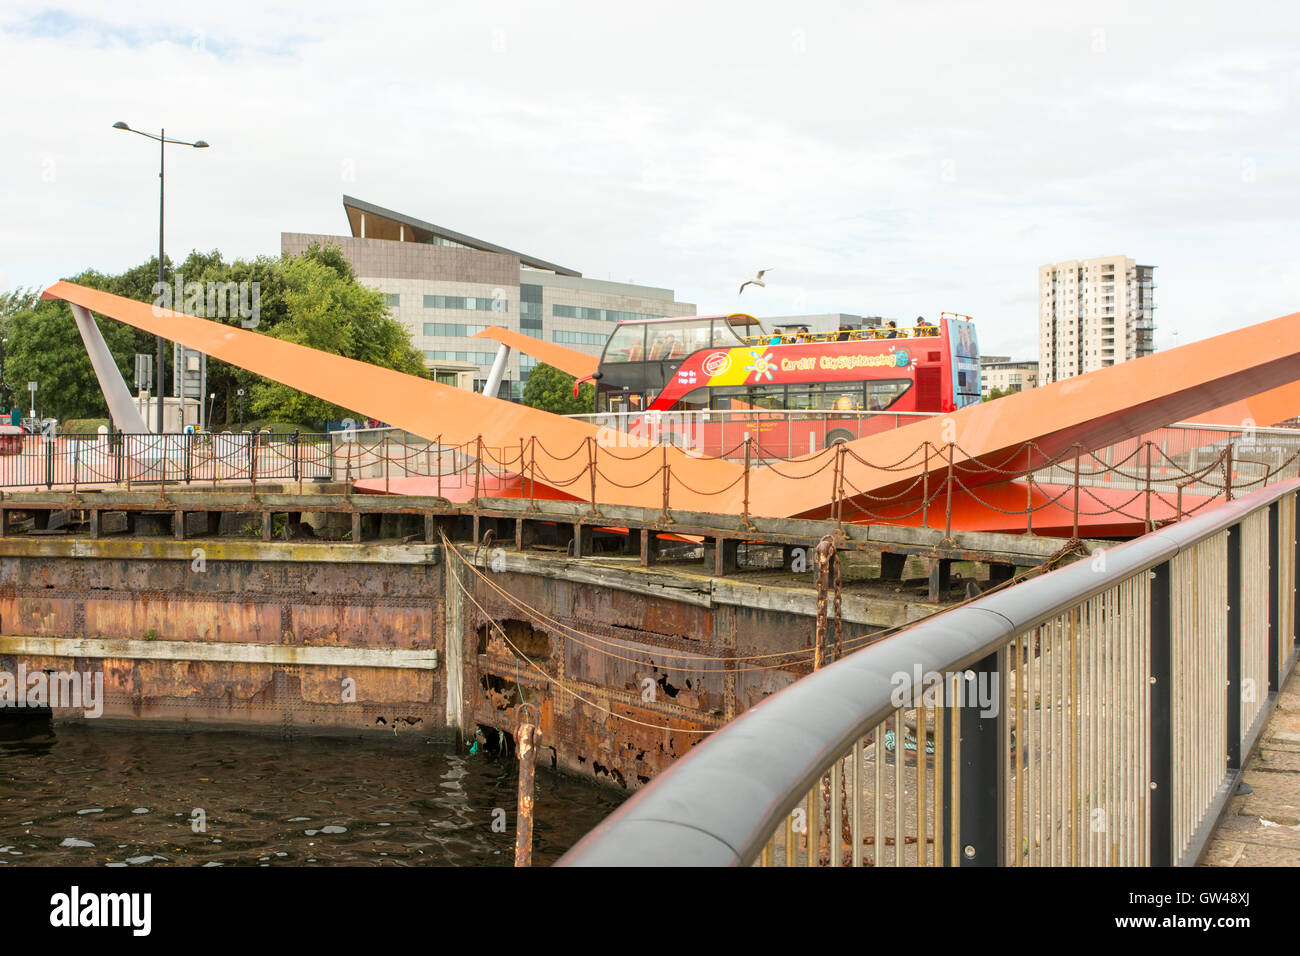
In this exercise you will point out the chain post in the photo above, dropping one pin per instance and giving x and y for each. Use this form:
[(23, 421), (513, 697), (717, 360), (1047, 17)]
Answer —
[(1146, 521), (1227, 472), (1075, 535), (925, 485), (748, 524), (947, 525), (1029, 504), (591, 468), (478, 468)]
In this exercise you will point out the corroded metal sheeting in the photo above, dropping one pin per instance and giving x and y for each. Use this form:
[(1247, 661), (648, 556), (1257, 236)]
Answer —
[(226, 651)]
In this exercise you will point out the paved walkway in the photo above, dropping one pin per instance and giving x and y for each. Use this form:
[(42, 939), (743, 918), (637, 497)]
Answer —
[(1263, 828)]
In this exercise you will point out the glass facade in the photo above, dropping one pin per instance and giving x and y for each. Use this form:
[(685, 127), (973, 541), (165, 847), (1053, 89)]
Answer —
[(478, 358), (480, 304), (530, 310), (578, 338), (452, 329), (601, 315)]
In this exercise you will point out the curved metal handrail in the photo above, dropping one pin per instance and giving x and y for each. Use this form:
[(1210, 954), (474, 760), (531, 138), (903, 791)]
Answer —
[(719, 804)]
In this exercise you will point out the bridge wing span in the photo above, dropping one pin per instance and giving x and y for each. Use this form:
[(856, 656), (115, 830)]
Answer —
[(625, 475), (1096, 409), (1259, 411), (578, 364)]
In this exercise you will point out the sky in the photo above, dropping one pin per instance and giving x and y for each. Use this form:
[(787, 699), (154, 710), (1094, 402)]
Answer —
[(883, 158)]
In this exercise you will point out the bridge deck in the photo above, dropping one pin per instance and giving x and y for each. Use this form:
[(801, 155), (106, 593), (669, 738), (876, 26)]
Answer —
[(1262, 828)]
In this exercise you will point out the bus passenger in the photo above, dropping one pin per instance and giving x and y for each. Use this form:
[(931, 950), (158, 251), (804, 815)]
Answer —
[(891, 331)]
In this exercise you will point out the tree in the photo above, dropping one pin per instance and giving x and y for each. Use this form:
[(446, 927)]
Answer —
[(327, 309), (551, 390)]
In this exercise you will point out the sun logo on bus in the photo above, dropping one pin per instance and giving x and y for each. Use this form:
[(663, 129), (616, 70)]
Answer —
[(763, 366)]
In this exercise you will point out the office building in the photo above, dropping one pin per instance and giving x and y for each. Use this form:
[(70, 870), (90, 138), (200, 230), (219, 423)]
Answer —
[(1000, 373), (445, 286), (1093, 313)]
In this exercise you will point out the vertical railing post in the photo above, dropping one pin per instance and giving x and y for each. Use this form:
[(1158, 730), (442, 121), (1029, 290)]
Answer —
[(532, 471), (478, 469), (386, 462), (667, 476), (1234, 648), (925, 485), (1295, 567), (1077, 450), (747, 463), (117, 457), (1275, 660), (1029, 503), (252, 460), (1146, 521), (947, 521), (297, 466), (1227, 472), (982, 794), (591, 468), (1161, 719), (440, 466), (49, 461)]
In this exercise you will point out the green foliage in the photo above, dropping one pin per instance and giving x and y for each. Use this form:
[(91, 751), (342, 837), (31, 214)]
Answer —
[(551, 390), (336, 314), (997, 393), (82, 426)]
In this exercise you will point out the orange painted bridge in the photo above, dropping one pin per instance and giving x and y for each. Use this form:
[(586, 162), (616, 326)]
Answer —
[(990, 444)]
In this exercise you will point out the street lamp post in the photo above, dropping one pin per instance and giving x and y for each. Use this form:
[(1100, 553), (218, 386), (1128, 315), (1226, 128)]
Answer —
[(162, 141)]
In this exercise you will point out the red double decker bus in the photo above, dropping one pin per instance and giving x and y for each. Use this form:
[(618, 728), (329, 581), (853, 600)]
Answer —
[(730, 380)]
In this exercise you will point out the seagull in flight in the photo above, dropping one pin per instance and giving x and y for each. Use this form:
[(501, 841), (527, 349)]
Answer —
[(757, 280)]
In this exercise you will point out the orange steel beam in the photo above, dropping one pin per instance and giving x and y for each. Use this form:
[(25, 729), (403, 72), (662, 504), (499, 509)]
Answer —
[(1259, 411), (624, 475), (578, 364)]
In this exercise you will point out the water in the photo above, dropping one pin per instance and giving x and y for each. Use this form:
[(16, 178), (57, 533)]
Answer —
[(99, 796)]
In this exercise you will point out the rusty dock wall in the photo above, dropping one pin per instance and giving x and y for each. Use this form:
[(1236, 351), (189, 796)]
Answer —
[(384, 615)]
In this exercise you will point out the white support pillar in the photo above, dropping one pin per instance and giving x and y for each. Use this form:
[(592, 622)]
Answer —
[(498, 371), (121, 405)]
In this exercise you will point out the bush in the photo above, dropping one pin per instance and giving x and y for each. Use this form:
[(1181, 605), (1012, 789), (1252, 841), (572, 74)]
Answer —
[(82, 426)]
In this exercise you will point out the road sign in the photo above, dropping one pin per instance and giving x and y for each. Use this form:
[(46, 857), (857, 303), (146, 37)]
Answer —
[(31, 386)]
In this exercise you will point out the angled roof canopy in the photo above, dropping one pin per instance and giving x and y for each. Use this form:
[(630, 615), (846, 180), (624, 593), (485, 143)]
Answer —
[(384, 223)]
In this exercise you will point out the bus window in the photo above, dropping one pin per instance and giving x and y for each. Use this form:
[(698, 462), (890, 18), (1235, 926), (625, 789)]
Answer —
[(627, 344), (767, 396), (839, 398), (657, 343), (803, 397), (729, 397), (693, 400), (882, 394)]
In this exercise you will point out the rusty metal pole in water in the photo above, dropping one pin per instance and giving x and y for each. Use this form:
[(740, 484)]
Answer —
[(527, 741)]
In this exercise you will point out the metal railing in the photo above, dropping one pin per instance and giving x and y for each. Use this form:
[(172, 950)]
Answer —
[(932, 482), (1096, 715)]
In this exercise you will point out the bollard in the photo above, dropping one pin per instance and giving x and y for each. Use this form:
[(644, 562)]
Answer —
[(526, 746)]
